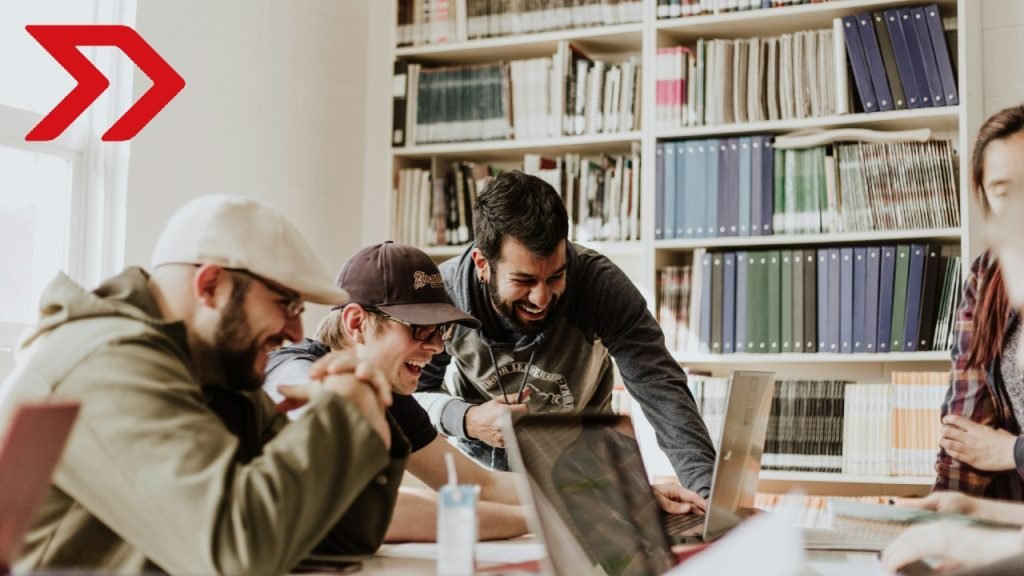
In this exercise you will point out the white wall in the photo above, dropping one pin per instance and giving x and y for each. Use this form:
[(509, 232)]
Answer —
[(1003, 43), (274, 108)]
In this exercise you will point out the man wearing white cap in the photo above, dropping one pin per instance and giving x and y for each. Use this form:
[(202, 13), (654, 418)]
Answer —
[(178, 461)]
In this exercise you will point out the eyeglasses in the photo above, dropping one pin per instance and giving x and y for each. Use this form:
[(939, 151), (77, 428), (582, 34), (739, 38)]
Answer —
[(291, 303), (420, 333)]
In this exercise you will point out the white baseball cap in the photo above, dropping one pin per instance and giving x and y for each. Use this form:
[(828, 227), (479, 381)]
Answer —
[(244, 234)]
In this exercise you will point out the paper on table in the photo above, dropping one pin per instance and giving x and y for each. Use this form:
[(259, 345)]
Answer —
[(744, 549), (486, 552)]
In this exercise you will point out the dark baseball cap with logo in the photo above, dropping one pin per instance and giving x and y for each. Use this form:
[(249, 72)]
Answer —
[(401, 281)]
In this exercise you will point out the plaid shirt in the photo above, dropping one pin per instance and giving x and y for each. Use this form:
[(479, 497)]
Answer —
[(981, 396)]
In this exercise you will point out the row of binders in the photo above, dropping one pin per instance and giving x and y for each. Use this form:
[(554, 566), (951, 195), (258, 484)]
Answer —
[(747, 187), (681, 8), (870, 429), (601, 195), (446, 21), (849, 299), (741, 80), (900, 59), (568, 93)]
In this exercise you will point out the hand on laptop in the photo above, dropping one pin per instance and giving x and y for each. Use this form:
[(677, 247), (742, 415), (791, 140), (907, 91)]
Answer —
[(675, 499), (955, 545), (484, 421)]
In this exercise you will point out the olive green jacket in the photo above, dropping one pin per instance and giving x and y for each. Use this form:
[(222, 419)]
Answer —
[(161, 473)]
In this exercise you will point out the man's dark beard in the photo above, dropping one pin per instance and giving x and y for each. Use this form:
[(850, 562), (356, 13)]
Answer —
[(509, 314), (237, 364)]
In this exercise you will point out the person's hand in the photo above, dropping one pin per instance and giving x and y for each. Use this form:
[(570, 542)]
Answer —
[(954, 545), (294, 396), (946, 501), (675, 499), (345, 362), (484, 421), (364, 397), (977, 445)]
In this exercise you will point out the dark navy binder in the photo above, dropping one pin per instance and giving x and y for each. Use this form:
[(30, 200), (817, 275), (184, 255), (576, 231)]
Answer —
[(859, 64), (886, 276), (931, 67), (871, 294), (918, 255), (729, 303), (740, 336), (846, 300), (924, 89), (860, 274), (903, 64), (892, 74), (876, 67), (942, 56)]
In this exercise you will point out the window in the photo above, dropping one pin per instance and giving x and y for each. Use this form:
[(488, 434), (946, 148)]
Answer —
[(60, 202)]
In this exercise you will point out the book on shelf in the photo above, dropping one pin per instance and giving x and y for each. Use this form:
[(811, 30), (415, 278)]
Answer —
[(847, 300), (601, 194), (565, 94), (424, 22), (682, 8), (838, 187), (841, 427)]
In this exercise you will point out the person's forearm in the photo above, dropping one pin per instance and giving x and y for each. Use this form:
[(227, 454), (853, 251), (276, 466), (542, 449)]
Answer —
[(999, 511), (501, 488), (415, 519)]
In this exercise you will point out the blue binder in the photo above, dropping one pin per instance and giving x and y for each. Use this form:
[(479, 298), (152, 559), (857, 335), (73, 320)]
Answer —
[(918, 255), (744, 186), (697, 190), (823, 266), (767, 185), (668, 223), (924, 89), (931, 68), (683, 179), (886, 279), (860, 274), (711, 188), (903, 65), (942, 56), (876, 68), (754, 225), (834, 300), (859, 64)]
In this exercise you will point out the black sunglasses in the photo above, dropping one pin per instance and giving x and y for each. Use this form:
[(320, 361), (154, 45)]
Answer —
[(420, 333)]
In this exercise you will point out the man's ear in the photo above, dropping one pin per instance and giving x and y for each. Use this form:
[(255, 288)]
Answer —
[(209, 281), (353, 322), (483, 267)]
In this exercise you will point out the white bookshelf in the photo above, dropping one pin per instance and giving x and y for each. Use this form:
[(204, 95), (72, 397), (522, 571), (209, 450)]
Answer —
[(642, 259)]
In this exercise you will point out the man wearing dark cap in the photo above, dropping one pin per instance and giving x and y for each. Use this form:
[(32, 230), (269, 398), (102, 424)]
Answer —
[(397, 318), (554, 315), (178, 462)]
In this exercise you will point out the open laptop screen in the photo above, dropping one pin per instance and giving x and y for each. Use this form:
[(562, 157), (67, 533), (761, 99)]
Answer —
[(592, 495)]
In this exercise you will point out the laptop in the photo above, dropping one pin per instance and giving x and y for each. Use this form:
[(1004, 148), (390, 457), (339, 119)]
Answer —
[(29, 451), (594, 506)]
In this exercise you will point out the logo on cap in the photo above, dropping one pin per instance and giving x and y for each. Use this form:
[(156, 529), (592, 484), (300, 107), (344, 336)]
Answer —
[(422, 280)]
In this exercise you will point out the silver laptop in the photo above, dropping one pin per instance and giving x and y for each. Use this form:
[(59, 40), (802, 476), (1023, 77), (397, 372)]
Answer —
[(593, 501)]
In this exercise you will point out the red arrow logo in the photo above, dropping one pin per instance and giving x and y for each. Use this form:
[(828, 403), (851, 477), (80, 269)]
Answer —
[(61, 41)]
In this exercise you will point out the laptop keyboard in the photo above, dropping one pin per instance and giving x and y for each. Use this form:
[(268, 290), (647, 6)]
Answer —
[(676, 524)]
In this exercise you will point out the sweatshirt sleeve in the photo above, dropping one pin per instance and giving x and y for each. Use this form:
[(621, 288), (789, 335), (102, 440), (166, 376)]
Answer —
[(447, 412), (145, 435), (650, 374)]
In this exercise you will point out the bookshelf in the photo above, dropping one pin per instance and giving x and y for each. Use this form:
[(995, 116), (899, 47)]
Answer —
[(643, 258)]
